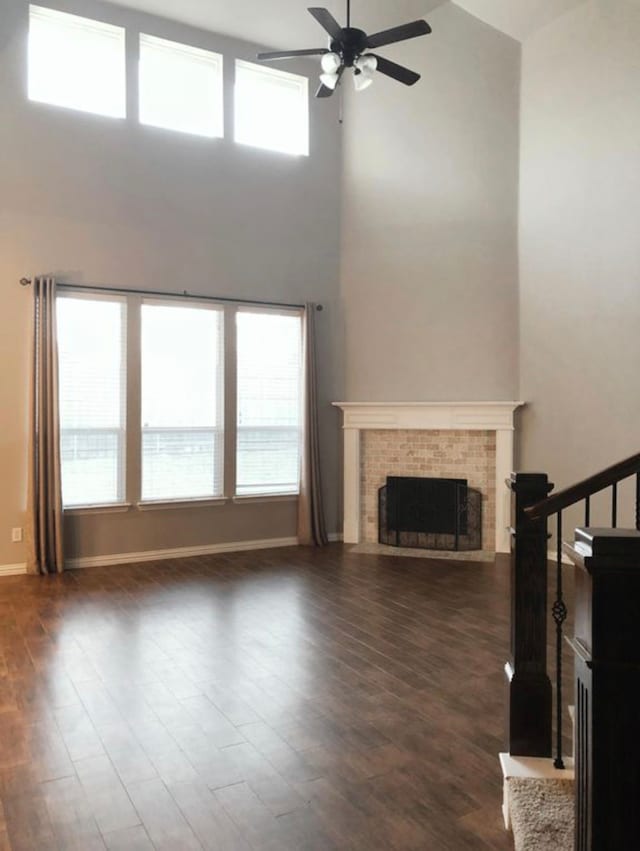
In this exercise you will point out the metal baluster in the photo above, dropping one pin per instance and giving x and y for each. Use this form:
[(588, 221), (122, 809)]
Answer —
[(587, 508), (559, 612), (614, 506), (638, 501)]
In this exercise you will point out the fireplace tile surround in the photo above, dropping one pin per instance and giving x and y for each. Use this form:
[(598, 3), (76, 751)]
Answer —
[(467, 455), (471, 440)]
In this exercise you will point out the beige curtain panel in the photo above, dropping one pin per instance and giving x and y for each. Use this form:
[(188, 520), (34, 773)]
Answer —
[(45, 479), (311, 523)]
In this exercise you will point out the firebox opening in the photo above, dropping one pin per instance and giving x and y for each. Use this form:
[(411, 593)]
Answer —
[(428, 513)]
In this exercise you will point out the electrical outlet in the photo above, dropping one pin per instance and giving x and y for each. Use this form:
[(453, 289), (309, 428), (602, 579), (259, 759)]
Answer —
[(16, 535)]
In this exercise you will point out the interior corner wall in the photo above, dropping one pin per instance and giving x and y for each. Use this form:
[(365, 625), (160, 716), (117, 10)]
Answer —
[(430, 198), (101, 201), (580, 243)]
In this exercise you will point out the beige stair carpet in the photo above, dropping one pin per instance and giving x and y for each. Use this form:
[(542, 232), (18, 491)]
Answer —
[(542, 814)]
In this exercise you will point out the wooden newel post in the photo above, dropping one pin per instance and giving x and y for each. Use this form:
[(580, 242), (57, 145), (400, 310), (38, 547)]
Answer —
[(607, 675), (529, 704)]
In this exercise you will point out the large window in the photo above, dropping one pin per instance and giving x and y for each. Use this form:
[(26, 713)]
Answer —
[(144, 406), (81, 63), (269, 403), (181, 402), (76, 62), (92, 379), (180, 87), (271, 109)]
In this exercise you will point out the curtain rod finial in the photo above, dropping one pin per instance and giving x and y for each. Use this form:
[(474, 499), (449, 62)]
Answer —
[(25, 282)]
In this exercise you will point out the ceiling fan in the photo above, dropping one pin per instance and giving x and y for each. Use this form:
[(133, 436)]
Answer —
[(349, 48)]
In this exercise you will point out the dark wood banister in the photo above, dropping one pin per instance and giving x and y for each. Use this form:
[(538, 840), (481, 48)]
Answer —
[(594, 484), (607, 783)]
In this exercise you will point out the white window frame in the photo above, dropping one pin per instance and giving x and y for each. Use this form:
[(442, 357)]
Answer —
[(204, 56), (131, 436), (303, 98), (80, 22), (121, 502), (220, 431), (267, 495)]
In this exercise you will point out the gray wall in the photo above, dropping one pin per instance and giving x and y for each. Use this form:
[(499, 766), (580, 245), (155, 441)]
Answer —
[(580, 242), (101, 201), (430, 221)]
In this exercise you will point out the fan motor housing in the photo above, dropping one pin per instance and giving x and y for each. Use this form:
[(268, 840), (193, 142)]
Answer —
[(350, 45)]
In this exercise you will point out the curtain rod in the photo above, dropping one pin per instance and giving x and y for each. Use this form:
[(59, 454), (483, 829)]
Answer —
[(26, 282)]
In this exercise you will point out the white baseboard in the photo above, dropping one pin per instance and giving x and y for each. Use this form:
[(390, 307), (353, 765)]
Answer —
[(13, 569), (179, 552), (185, 552)]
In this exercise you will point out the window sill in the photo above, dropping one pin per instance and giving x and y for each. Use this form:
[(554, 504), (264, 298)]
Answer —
[(267, 497), (107, 508), (168, 504)]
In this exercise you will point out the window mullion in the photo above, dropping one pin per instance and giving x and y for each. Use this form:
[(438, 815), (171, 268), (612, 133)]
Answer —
[(133, 433), (230, 399)]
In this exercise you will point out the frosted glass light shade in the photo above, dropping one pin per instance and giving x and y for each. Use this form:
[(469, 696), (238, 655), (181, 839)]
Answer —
[(330, 63), (329, 80), (367, 64), (362, 81)]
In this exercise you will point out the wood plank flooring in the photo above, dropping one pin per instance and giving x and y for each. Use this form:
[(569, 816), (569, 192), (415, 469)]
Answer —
[(290, 699)]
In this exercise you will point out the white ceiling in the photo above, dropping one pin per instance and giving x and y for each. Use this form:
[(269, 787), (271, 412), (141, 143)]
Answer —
[(282, 23), (518, 18), (286, 23)]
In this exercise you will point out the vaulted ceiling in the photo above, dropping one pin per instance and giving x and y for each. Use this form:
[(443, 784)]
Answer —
[(282, 23), (518, 18), (285, 23)]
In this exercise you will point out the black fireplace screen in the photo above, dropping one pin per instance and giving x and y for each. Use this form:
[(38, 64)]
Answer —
[(432, 514)]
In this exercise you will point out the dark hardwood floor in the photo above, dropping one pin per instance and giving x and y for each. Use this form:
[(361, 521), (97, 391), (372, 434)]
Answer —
[(285, 699)]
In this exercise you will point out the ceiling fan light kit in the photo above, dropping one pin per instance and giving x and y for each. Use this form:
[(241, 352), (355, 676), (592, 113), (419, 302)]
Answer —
[(348, 48), (331, 62), (330, 81)]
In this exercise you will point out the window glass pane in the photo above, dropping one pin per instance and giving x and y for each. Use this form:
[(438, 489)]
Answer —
[(269, 402), (271, 109), (92, 379), (182, 402), (180, 87), (76, 62)]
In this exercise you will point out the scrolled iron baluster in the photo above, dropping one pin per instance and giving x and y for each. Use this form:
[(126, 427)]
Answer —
[(559, 612)]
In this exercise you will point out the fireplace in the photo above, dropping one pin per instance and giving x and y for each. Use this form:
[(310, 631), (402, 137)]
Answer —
[(417, 423), (430, 514)]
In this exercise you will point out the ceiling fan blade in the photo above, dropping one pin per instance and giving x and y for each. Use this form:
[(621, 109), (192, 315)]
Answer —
[(326, 91), (291, 54), (327, 21), (402, 33), (397, 72)]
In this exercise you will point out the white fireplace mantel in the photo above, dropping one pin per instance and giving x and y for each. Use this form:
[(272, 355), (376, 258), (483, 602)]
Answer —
[(426, 416)]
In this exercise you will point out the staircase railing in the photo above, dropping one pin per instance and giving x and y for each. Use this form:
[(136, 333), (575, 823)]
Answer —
[(554, 505), (606, 648)]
